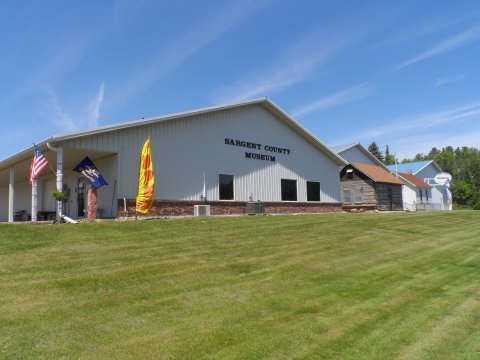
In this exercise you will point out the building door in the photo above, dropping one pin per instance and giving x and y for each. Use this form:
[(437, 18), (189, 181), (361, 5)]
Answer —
[(390, 198), (81, 191)]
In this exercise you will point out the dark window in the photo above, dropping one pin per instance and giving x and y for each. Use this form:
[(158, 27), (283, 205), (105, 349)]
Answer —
[(421, 195), (350, 174), (289, 190), (226, 186), (426, 194), (313, 191), (347, 196)]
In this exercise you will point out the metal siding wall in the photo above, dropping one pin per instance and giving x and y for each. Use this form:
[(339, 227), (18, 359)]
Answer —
[(437, 191), (23, 199), (183, 149), (355, 155), (409, 195)]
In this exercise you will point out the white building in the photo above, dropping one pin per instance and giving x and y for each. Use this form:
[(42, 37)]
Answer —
[(416, 193), (426, 171), (250, 151)]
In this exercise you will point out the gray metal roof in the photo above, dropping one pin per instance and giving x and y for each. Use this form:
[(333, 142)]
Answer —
[(267, 103), (341, 148)]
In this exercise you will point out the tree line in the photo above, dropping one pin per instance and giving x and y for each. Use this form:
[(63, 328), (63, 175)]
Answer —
[(462, 162)]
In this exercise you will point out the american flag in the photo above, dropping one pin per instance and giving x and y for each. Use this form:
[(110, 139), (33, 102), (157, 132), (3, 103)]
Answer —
[(39, 163)]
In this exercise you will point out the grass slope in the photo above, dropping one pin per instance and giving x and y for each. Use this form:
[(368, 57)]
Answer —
[(350, 286)]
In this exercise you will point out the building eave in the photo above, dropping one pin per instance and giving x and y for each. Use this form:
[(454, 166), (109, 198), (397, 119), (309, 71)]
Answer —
[(152, 120), (432, 163), (24, 154), (400, 176), (307, 135), (365, 152), (266, 103)]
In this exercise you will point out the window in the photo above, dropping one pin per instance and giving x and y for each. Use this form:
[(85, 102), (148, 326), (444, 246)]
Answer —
[(426, 194), (289, 190), (313, 191), (225, 183), (358, 196), (347, 196), (350, 174), (421, 195)]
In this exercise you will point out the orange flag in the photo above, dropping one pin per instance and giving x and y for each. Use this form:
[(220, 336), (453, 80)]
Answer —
[(146, 180)]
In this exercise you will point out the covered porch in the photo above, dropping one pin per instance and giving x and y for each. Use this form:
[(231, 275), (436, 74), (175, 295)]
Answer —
[(16, 190)]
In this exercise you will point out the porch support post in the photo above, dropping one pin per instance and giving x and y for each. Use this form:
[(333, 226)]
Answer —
[(11, 191), (59, 181), (34, 200)]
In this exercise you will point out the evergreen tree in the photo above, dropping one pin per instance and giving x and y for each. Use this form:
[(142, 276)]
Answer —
[(375, 151), (420, 157), (389, 158), (433, 153)]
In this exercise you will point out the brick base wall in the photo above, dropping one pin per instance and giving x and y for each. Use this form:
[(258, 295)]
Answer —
[(185, 208), (360, 207)]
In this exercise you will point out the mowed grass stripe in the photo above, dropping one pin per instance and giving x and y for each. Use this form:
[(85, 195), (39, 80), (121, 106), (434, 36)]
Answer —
[(319, 286)]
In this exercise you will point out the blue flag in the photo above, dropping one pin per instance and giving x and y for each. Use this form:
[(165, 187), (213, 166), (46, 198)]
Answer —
[(87, 168)]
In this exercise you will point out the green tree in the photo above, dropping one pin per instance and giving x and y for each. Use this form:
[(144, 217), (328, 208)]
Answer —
[(464, 165), (389, 158), (433, 153), (375, 151), (420, 157)]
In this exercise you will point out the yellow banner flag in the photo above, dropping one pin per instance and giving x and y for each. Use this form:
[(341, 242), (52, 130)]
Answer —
[(146, 180)]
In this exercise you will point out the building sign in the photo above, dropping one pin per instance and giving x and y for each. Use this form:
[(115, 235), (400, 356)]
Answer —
[(443, 178), (256, 146)]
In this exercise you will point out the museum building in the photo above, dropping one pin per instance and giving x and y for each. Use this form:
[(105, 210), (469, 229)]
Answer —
[(225, 156)]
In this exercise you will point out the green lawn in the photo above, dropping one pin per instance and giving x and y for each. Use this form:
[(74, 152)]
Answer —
[(345, 286)]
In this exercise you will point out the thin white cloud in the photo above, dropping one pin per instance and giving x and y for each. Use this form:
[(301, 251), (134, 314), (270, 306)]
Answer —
[(424, 28), (200, 35), (95, 105), (440, 118), (451, 43), (343, 97), (53, 111), (422, 144), (413, 125), (297, 64), (447, 80), (278, 79)]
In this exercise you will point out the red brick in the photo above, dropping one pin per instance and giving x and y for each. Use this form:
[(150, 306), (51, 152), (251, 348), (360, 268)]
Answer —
[(185, 208)]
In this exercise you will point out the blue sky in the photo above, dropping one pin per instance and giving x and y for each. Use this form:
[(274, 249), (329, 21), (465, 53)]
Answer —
[(404, 73)]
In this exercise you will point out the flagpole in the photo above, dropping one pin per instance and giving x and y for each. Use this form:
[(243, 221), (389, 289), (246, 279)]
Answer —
[(50, 166), (138, 187), (34, 200), (396, 166)]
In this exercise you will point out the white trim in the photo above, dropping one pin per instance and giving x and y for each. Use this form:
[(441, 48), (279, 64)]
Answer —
[(11, 194), (268, 104), (400, 176), (404, 179), (423, 167)]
